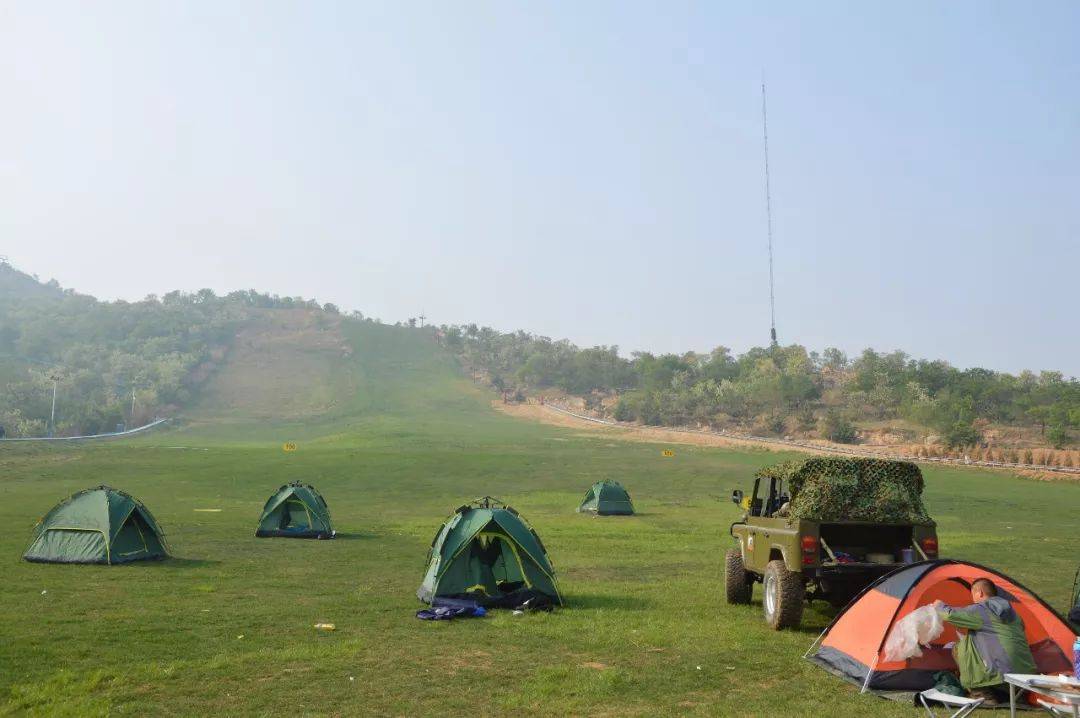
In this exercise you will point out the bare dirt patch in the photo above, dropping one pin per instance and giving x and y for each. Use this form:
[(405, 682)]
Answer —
[(657, 435), (646, 434)]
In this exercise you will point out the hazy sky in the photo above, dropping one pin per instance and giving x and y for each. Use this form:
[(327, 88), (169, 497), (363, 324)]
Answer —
[(579, 169)]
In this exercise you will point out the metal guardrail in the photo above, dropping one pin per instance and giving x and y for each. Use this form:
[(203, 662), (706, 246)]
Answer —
[(829, 449), (112, 435)]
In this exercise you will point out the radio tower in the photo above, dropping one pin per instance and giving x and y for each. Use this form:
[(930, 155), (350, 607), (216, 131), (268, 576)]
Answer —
[(768, 216)]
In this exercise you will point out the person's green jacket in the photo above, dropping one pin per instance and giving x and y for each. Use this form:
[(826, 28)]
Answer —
[(995, 643)]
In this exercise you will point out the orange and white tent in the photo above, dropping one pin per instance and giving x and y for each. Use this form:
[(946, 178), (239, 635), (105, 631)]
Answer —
[(853, 645)]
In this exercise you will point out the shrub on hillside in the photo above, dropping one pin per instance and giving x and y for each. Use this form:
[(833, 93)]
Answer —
[(651, 413), (628, 407), (836, 427), (772, 423), (805, 419), (1058, 436), (639, 406), (961, 434)]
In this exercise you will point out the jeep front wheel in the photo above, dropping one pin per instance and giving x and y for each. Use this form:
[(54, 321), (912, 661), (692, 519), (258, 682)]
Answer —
[(784, 596), (737, 582)]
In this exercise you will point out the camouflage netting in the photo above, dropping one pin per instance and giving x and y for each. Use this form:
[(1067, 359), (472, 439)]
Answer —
[(826, 488)]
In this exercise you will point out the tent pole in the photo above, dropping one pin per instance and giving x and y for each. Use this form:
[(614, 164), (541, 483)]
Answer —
[(816, 641), (869, 673)]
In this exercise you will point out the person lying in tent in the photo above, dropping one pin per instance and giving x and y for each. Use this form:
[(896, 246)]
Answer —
[(994, 644)]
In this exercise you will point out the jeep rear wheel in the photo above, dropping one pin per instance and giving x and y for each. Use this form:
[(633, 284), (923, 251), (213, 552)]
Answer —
[(737, 582), (784, 596)]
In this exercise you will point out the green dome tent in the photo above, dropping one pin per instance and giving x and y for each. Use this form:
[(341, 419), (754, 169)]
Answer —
[(607, 498), (487, 552), (99, 525), (296, 510)]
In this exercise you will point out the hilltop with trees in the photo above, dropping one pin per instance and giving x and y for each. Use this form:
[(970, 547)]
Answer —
[(162, 351), (781, 390), (115, 362)]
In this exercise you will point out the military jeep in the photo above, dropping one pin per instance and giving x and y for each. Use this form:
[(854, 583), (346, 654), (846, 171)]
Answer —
[(824, 529)]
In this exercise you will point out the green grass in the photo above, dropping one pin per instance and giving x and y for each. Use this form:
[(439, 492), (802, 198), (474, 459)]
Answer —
[(645, 631)]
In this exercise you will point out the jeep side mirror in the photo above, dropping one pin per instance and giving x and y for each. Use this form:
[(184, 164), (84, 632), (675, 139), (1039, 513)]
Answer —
[(737, 497)]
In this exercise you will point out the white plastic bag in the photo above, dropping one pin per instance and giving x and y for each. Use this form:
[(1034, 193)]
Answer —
[(918, 627)]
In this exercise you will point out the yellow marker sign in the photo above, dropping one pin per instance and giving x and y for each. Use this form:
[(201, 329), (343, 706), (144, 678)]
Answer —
[(289, 446), (668, 452)]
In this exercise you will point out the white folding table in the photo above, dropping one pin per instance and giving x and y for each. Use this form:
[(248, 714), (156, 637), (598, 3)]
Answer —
[(1023, 682)]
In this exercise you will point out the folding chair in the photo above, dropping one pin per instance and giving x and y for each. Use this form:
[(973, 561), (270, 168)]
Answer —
[(964, 706)]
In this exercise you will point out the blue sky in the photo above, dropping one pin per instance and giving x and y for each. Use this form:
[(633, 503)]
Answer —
[(581, 170)]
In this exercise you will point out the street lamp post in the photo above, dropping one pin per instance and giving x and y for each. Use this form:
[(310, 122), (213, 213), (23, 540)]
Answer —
[(52, 415)]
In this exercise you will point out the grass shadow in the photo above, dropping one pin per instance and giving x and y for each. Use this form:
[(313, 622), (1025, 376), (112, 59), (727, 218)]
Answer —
[(353, 536), (811, 630), (815, 618), (634, 515), (606, 601), (182, 563)]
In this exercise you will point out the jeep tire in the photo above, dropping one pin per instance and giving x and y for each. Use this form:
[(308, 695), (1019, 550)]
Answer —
[(737, 582), (783, 597)]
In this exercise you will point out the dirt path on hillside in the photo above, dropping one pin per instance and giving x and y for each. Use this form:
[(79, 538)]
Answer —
[(645, 434), (548, 415)]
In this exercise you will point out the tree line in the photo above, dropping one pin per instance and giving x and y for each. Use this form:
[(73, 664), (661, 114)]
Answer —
[(778, 389)]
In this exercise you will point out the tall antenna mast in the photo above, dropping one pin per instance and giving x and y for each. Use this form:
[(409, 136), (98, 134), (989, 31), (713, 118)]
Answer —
[(768, 215)]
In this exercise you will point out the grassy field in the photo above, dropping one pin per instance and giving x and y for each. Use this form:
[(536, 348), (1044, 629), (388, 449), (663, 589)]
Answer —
[(226, 626)]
